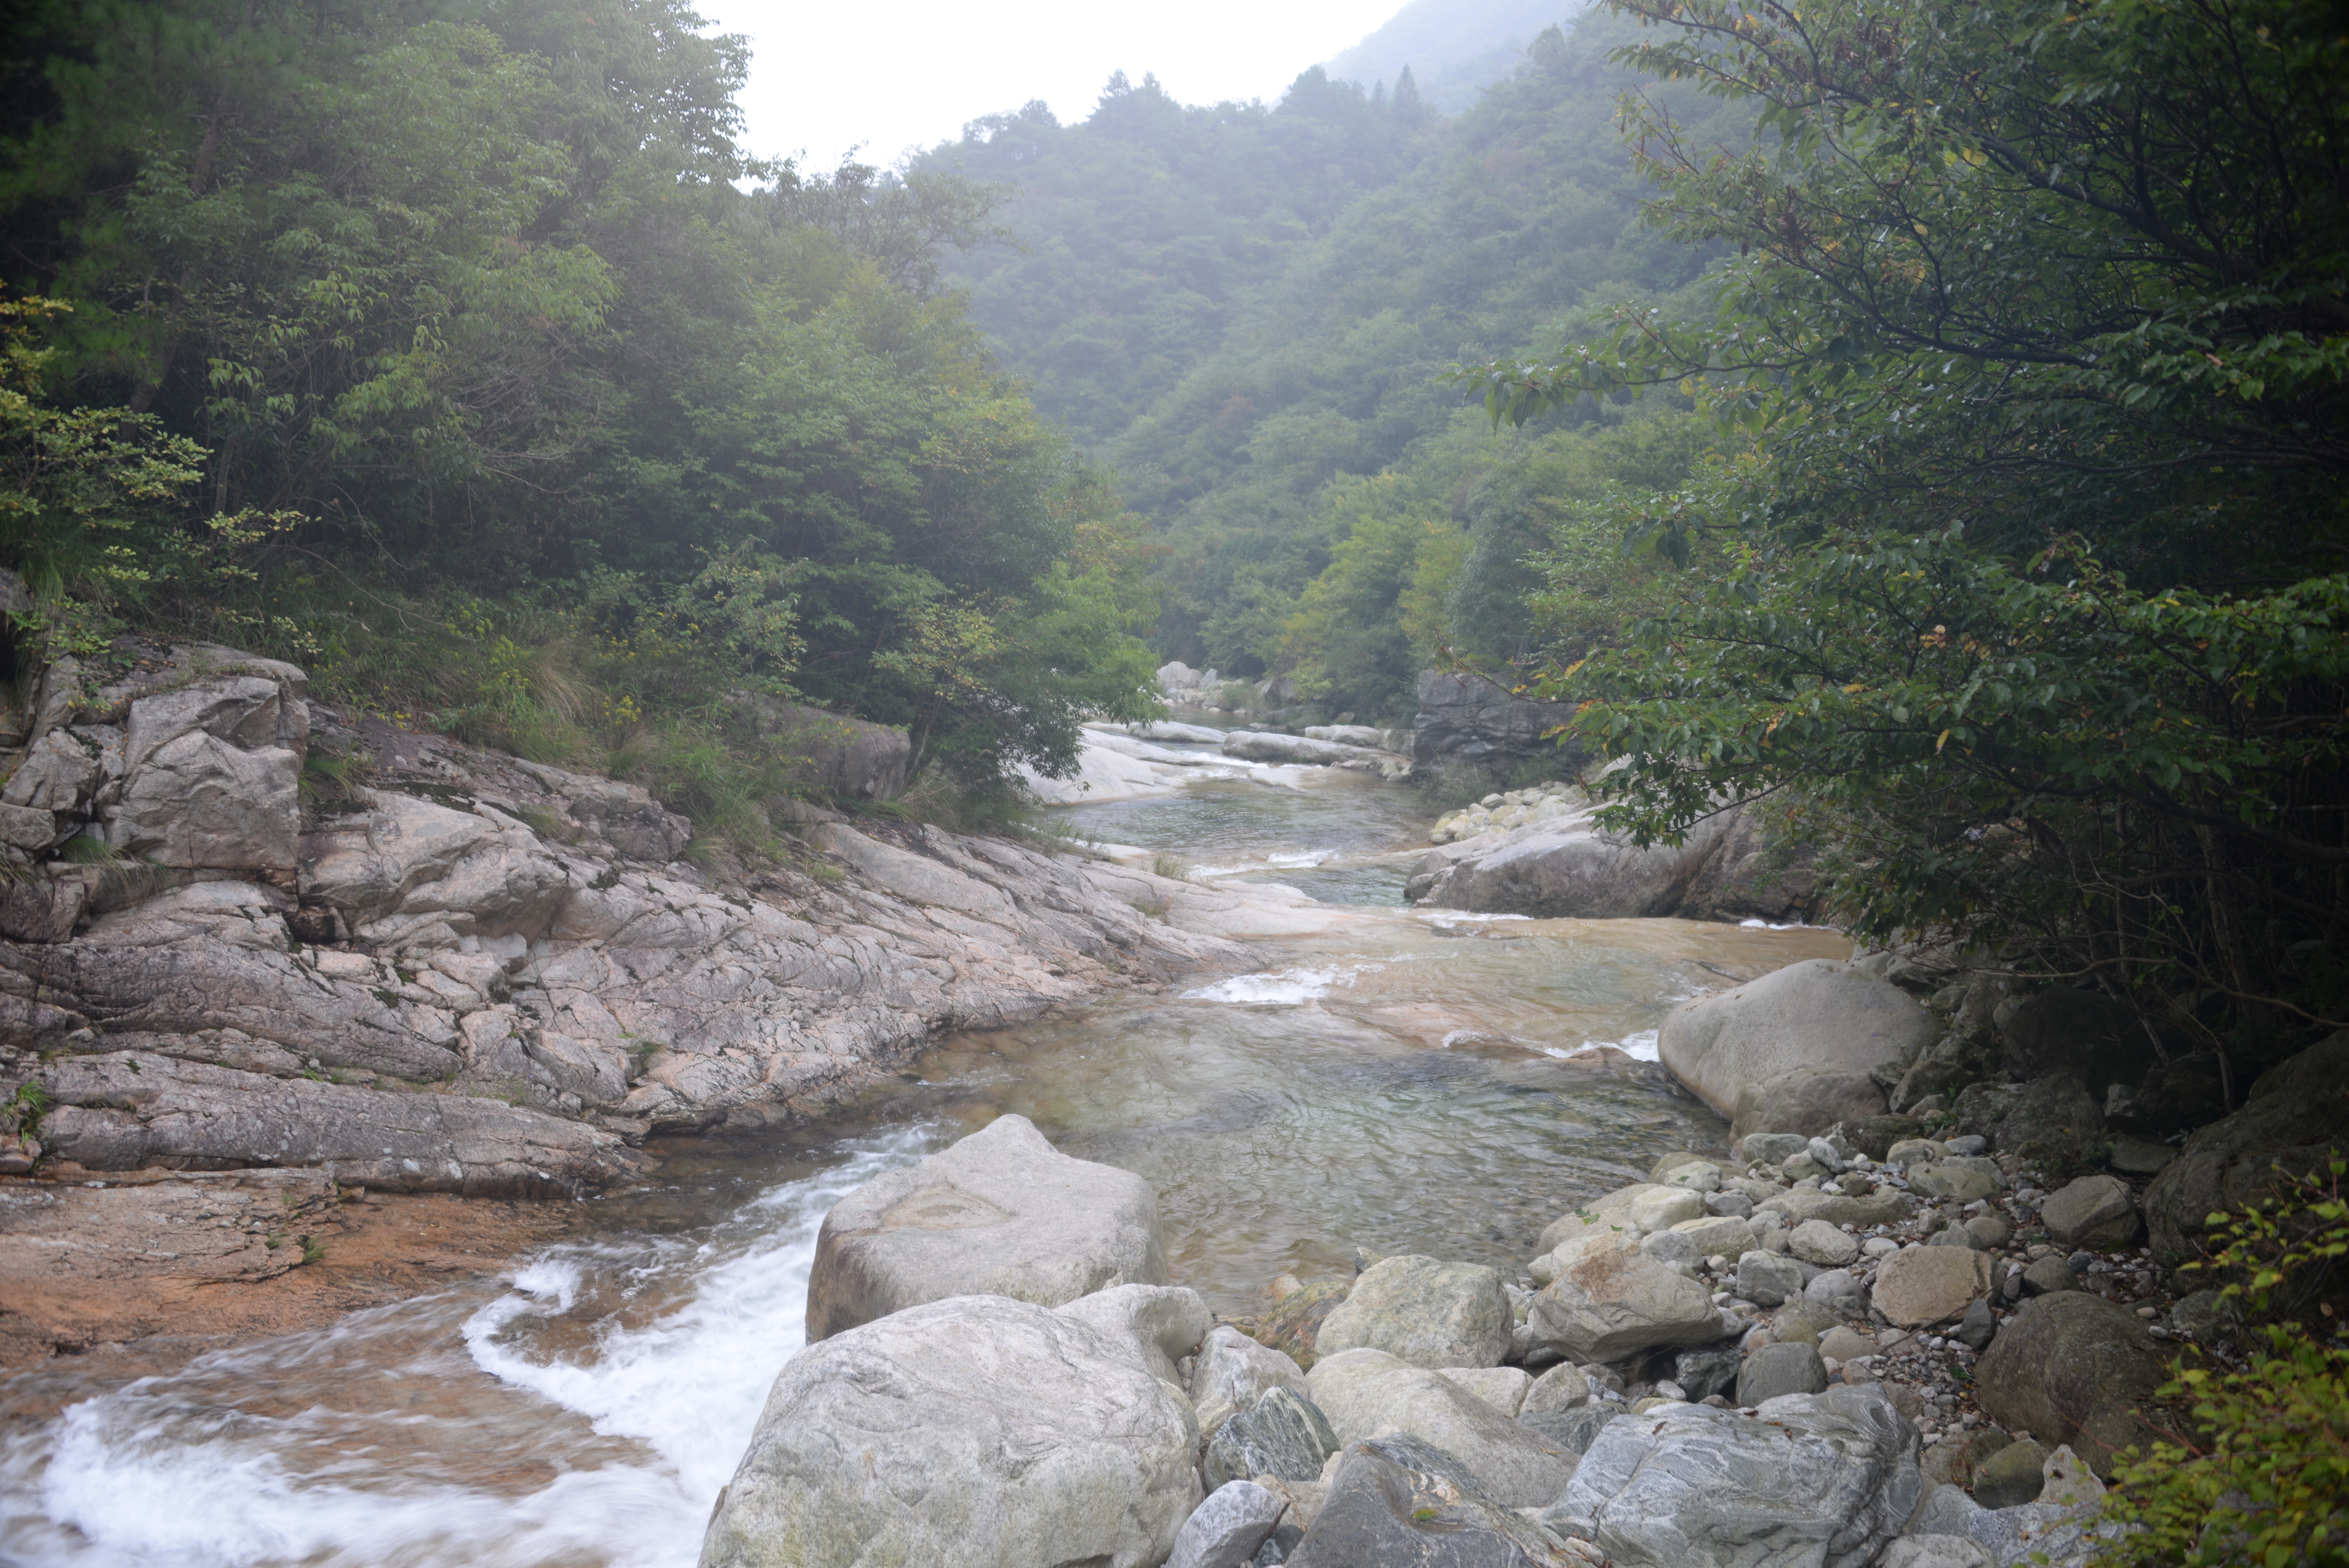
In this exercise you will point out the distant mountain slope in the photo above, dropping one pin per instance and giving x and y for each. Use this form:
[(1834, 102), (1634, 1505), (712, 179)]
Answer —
[(1452, 50)]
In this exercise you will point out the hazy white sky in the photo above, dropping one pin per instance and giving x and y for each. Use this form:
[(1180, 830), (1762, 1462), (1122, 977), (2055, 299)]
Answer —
[(909, 74)]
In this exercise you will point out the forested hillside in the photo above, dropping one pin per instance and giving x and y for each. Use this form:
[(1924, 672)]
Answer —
[(1453, 52), (1249, 313), (461, 352)]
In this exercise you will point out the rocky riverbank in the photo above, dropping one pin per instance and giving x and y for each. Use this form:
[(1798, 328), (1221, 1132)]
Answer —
[(245, 932), (1914, 1341)]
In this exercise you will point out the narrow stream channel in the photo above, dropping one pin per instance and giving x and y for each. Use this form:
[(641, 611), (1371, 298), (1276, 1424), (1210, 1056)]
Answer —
[(1419, 1082)]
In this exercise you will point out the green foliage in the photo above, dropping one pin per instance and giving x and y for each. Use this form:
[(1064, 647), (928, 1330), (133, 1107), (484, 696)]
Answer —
[(2264, 1479), (443, 346), (2017, 578), (1248, 308)]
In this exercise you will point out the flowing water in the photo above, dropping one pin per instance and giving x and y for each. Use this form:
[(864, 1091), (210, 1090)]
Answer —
[(1417, 1081)]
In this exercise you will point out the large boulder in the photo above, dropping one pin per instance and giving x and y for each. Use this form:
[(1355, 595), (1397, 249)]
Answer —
[(1819, 1016), (2295, 1113), (2095, 1213), (1812, 1480), (1427, 1312), (1567, 869), (2053, 1122), (1001, 1212), (1610, 1299), (208, 776), (976, 1432), (1397, 1503), (2072, 1367), (1475, 719), (1368, 1393), (845, 757), (1809, 1100)]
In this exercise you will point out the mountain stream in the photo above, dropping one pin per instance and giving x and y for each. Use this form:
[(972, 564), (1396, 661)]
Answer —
[(1413, 1081)]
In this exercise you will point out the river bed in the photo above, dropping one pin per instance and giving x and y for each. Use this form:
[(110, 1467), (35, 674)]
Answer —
[(1410, 1081)]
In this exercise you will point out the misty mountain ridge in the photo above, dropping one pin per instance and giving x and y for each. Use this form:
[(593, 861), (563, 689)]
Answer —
[(1452, 51)]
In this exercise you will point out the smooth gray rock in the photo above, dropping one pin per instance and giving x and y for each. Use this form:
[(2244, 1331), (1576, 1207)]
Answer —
[(1564, 868), (1233, 1372), (2048, 1275), (1395, 1504), (1978, 1328), (1811, 1016), (975, 1432), (2053, 1122), (1225, 1530), (1563, 1386), (1816, 1242), (2204, 1315), (1815, 1098), (1777, 1369), (1935, 1551), (1159, 1325), (2012, 1476), (1001, 1212), (1283, 1434), (1503, 1388), (1610, 1300), (1259, 745), (1917, 1285), (1475, 719), (1815, 1480), (1774, 1148), (211, 776), (1693, 1241), (57, 774), (2030, 1535), (1366, 1392), (2073, 1368), (1956, 1179), (2095, 1212), (1424, 1312), (213, 957), (1767, 1279), (1840, 1291)]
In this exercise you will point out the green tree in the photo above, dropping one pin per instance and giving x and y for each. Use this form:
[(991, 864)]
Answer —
[(2026, 593)]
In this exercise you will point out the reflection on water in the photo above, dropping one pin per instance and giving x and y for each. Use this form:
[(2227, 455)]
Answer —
[(1410, 1085)]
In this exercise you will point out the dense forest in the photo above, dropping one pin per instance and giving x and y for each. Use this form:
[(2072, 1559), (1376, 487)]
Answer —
[(461, 352), (1248, 312), (1973, 402)]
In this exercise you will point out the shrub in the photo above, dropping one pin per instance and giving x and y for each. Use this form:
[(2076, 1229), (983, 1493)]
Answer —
[(2264, 1478)]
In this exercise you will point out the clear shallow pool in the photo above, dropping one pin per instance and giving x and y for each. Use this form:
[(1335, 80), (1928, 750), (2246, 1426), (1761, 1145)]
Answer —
[(1405, 1085)]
